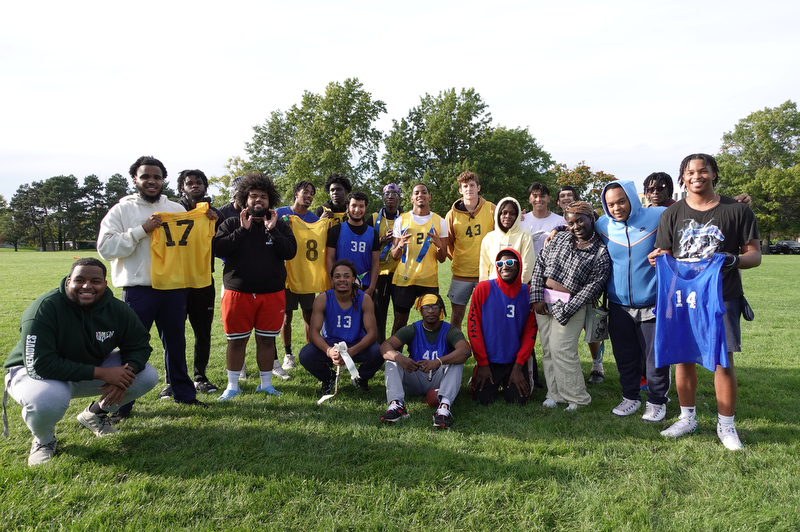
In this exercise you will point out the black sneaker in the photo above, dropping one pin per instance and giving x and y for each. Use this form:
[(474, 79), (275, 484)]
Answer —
[(395, 412), (166, 392), (442, 419), (327, 386), (119, 415), (361, 384), (193, 402), (202, 385)]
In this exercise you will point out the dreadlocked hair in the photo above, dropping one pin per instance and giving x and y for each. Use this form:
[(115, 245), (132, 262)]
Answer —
[(355, 288)]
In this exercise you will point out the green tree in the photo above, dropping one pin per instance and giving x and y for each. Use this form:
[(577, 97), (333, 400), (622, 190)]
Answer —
[(93, 203), (235, 167), (433, 142), (760, 156), (116, 189), (9, 233), (507, 161), (326, 133), (60, 195), (29, 217), (587, 183)]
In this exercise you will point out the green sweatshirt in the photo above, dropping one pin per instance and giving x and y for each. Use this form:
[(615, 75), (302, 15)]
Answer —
[(61, 340)]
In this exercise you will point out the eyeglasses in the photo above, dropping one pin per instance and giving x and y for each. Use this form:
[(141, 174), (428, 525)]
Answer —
[(390, 194), (507, 262), (659, 188), (428, 308)]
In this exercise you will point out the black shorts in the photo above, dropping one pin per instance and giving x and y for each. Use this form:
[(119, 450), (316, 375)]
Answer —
[(405, 296)]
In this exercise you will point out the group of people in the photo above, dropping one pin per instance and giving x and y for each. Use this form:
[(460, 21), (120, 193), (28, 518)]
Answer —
[(515, 274)]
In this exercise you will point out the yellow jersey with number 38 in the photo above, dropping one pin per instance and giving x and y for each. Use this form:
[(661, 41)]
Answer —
[(305, 273), (180, 250)]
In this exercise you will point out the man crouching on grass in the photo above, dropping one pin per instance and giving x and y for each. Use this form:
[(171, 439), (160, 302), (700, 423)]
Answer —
[(77, 341)]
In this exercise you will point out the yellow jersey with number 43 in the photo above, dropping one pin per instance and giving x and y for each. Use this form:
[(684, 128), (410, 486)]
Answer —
[(180, 250), (305, 273)]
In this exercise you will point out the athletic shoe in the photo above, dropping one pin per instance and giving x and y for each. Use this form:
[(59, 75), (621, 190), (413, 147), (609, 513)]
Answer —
[(571, 407), (119, 415), (626, 407), (729, 438), (229, 394), (443, 418), (596, 377), (269, 390), (166, 392), (99, 424), (395, 412), (243, 373), (193, 402), (654, 413), (684, 425), (360, 384), (327, 386), (549, 403), (41, 452), (202, 385), (643, 384), (279, 371), (288, 362)]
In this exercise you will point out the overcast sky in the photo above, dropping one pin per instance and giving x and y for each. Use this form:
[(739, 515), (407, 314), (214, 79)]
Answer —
[(628, 87)]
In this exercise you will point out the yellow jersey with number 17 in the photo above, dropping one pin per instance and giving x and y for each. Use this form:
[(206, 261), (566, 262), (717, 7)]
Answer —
[(180, 250), (305, 273)]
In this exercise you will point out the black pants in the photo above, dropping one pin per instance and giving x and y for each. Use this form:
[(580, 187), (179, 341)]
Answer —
[(380, 299), (200, 311), (500, 375), (633, 343)]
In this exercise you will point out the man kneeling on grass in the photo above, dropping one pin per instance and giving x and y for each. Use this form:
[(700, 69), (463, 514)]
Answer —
[(502, 330), (437, 353), (77, 341)]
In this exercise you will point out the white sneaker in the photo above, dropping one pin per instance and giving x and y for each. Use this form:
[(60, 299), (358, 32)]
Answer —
[(571, 407), (684, 425), (41, 452), (279, 371), (626, 407), (729, 438), (243, 373), (549, 403), (654, 412), (288, 362)]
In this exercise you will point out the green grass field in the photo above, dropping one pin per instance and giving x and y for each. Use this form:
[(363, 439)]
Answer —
[(289, 464)]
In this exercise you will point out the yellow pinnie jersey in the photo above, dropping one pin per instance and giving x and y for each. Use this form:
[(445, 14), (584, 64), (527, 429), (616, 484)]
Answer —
[(180, 250), (305, 273), (414, 272), (388, 264), (469, 232), (338, 217)]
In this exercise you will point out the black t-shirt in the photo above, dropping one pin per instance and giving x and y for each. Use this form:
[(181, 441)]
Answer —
[(735, 221)]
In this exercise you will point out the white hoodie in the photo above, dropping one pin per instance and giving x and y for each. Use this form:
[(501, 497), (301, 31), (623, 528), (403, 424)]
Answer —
[(124, 242), (516, 237)]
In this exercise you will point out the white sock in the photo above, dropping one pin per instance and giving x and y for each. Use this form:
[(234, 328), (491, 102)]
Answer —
[(266, 378), (688, 411), (725, 420), (233, 380)]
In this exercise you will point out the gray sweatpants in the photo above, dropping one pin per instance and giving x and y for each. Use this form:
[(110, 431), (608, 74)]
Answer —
[(45, 401), (399, 382)]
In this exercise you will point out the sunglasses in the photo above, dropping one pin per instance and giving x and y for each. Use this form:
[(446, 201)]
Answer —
[(507, 262), (659, 188), (428, 308)]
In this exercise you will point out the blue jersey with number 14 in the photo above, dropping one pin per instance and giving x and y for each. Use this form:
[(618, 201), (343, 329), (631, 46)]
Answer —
[(689, 311)]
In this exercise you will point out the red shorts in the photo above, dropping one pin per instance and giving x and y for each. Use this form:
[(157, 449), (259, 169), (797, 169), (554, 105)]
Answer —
[(242, 312)]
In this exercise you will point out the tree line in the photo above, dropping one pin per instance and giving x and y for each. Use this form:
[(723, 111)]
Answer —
[(334, 132)]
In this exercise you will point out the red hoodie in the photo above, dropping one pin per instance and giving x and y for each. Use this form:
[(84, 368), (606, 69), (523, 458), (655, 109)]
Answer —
[(474, 319)]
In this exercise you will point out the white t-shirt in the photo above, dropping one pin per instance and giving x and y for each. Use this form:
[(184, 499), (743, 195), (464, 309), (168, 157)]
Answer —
[(397, 231), (540, 228)]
